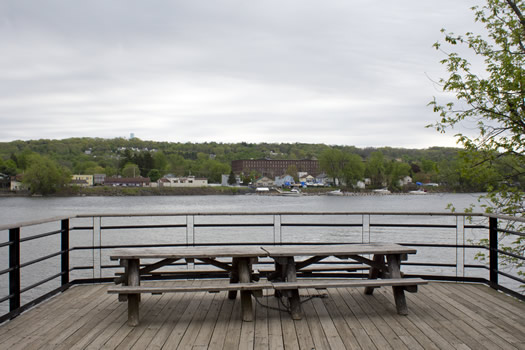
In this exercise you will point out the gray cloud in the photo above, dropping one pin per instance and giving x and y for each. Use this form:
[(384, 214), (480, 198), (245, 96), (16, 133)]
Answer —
[(338, 72)]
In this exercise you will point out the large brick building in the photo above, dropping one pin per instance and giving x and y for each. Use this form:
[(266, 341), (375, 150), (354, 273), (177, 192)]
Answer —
[(274, 167)]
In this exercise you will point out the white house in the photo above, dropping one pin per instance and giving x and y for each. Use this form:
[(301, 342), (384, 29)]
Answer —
[(308, 180), (405, 181), (190, 181), (264, 182), (361, 185)]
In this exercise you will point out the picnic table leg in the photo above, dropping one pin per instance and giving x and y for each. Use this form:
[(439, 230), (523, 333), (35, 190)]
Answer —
[(294, 299), (133, 299), (394, 269), (246, 295), (234, 278), (124, 297), (374, 272)]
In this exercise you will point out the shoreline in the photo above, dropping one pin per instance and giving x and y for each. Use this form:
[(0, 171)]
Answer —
[(188, 191)]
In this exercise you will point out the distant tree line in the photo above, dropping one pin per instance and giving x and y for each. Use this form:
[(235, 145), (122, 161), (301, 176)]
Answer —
[(348, 164)]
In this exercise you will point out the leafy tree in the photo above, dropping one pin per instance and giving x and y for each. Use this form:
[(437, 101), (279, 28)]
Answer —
[(376, 169), (396, 172), (178, 165), (331, 162), (428, 166), (44, 176), (81, 167), (353, 169), (342, 166), (154, 175), (22, 159), (145, 162), (160, 161), (97, 169), (231, 179), (493, 99), (130, 170), (8, 167), (110, 171), (246, 179)]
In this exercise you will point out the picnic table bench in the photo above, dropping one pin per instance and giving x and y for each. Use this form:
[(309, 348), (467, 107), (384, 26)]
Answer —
[(384, 270)]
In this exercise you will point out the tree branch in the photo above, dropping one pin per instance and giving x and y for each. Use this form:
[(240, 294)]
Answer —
[(518, 13)]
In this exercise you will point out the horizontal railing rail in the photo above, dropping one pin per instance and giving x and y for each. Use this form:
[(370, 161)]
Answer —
[(365, 225)]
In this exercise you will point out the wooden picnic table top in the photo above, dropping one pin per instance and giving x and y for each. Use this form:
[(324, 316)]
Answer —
[(188, 252), (248, 251), (337, 249)]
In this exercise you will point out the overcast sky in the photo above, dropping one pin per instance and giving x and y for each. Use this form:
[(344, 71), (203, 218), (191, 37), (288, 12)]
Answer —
[(344, 72)]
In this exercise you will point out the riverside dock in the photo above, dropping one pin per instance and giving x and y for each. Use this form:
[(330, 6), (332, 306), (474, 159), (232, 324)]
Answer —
[(57, 272), (442, 316)]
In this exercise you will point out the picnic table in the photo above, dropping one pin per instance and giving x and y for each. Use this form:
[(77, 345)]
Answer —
[(384, 271)]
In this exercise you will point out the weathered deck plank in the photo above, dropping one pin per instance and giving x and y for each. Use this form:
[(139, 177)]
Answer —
[(441, 316)]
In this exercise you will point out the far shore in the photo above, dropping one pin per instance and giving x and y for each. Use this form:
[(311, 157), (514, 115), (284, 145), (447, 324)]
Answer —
[(184, 191)]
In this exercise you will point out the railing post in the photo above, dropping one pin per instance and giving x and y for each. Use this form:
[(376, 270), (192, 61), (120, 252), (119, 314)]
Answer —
[(14, 269), (493, 245), (64, 238), (277, 233)]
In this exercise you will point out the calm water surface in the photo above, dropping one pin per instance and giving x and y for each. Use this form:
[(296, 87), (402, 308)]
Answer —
[(23, 209)]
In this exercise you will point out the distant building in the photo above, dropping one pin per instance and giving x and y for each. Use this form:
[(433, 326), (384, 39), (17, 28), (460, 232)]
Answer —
[(322, 180), (99, 179), (82, 180), (16, 183), (405, 181), (307, 180), (127, 181), (274, 167), (264, 182), (190, 181)]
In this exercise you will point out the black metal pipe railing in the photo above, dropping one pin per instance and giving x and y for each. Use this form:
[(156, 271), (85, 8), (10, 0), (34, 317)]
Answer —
[(134, 227), (191, 225), (64, 254), (517, 279), (41, 235), (41, 282), (42, 258), (493, 258), (14, 266)]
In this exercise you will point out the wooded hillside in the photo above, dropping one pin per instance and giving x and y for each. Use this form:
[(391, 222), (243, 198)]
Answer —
[(211, 159)]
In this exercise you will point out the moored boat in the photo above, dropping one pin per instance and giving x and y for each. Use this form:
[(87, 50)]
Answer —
[(337, 192)]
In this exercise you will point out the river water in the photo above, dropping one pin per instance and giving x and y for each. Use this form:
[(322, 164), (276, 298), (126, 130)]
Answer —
[(15, 210), (25, 209)]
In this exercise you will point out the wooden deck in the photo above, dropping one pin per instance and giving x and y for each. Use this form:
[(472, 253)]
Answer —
[(441, 316)]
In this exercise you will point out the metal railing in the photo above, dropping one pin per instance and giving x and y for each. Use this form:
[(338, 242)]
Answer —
[(179, 229)]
